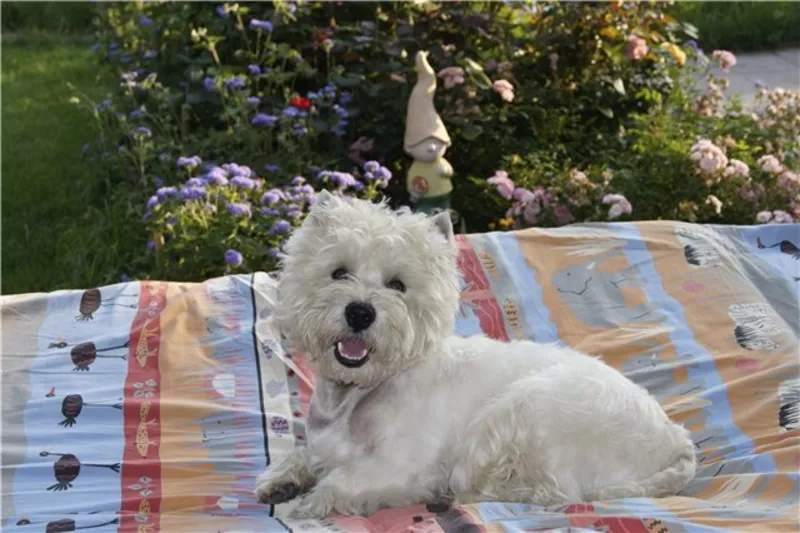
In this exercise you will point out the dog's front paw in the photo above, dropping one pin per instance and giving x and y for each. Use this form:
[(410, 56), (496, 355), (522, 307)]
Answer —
[(317, 504), (275, 489)]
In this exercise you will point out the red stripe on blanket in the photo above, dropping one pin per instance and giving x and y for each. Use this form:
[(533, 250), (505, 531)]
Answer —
[(141, 467), (478, 292)]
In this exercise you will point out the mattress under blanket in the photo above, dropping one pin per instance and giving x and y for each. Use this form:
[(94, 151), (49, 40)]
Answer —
[(152, 406)]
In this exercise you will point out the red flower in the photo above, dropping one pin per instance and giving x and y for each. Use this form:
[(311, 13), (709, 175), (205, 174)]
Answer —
[(301, 103)]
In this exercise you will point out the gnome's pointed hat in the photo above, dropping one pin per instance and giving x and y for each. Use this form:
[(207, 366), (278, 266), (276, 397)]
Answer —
[(422, 120)]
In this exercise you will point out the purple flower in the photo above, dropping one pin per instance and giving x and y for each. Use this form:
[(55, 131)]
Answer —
[(188, 193), (222, 12), (189, 162), (172, 221), (371, 166), (126, 58), (217, 176), (298, 180), (85, 148), (563, 215), (313, 95), (243, 182), (344, 179), (129, 76), (272, 197), (150, 54), (125, 278), (235, 82), (340, 130), (383, 174), (145, 21), (270, 212), (96, 47), (151, 245), (254, 100), (210, 84), (152, 202), (291, 111), (280, 227), (164, 192), (164, 157), (238, 170), (262, 119), (195, 182), (273, 253), (233, 257), (308, 190), (299, 129), (691, 43), (138, 113), (329, 89), (144, 132), (239, 209), (254, 69), (272, 168), (256, 24), (340, 111)]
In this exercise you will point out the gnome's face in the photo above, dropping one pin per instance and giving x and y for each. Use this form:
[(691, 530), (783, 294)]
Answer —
[(430, 149)]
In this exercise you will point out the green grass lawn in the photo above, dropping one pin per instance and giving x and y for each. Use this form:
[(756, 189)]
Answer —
[(743, 26), (58, 229)]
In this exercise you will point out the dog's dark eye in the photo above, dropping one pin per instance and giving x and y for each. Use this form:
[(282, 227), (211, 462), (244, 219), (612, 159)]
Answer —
[(339, 273), (397, 285)]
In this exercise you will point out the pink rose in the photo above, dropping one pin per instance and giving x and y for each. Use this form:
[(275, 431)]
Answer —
[(505, 187), (737, 168), (563, 215), (452, 76), (504, 89), (726, 59), (636, 48)]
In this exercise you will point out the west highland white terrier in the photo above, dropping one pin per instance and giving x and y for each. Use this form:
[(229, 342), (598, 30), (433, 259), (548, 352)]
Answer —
[(404, 412)]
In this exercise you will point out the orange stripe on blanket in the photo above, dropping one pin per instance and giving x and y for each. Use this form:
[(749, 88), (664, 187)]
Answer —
[(141, 467)]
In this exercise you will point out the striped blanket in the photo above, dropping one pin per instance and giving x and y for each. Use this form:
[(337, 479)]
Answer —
[(150, 406)]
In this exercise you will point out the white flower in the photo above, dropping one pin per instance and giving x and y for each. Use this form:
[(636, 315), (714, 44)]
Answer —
[(716, 202), (763, 217)]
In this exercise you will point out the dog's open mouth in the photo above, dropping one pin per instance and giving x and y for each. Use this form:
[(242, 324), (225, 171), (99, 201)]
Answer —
[(351, 353)]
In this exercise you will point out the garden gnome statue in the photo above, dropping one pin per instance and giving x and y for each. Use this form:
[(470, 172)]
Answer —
[(429, 178)]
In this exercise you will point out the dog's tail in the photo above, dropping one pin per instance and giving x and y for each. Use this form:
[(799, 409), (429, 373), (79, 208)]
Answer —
[(666, 482)]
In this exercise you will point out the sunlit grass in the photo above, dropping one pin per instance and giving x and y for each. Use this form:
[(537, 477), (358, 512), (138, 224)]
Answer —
[(58, 230)]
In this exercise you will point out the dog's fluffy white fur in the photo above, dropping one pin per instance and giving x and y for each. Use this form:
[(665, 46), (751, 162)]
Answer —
[(429, 417)]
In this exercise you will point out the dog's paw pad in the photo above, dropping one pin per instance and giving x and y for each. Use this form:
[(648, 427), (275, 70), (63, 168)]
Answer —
[(275, 494)]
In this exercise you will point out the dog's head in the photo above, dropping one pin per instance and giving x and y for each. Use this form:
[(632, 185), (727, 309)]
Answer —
[(365, 291)]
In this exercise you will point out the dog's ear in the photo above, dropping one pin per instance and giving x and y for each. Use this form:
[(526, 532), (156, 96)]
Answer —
[(444, 225), (318, 212)]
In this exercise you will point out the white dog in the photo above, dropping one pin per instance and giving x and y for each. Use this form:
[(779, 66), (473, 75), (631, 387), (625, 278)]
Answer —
[(406, 413)]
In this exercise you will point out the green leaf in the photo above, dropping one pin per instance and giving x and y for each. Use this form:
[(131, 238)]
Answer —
[(608, 112), (691, 30), (619, 86), (471, 132)]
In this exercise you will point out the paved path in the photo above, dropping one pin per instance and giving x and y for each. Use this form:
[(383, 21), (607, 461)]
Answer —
[(773, 69)]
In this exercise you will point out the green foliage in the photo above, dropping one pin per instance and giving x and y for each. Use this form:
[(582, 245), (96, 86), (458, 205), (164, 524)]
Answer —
[(743, 26), (52, 17)]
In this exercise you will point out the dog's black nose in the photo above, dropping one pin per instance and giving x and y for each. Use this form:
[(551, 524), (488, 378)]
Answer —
[(359, 315)]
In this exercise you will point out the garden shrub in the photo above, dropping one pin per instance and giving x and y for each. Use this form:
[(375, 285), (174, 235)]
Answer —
[(581, 105)]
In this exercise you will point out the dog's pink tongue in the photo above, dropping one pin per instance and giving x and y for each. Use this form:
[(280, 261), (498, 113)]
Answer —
[(353, 348)]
